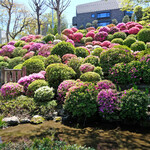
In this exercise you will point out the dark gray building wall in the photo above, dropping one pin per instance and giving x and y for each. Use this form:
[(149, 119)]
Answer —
[(84, 18)]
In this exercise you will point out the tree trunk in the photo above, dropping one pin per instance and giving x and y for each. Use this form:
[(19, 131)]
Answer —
[(38, 23), (8, 25), (58, 24)]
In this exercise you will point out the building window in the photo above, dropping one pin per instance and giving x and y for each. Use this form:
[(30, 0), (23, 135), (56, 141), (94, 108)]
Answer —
[(103, 23), (93, 15), (103, 15), (129, 13)]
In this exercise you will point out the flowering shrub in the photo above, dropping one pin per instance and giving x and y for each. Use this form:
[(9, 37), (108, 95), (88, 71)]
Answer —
[(123, 27), (63, 89), (78, 37), (145, 59), (105, 43), (105, 29), (129, 41), (67, 32), (90, 34), (94, 60), (117, 40), (138, 46), (101, 36), (71, 41), (133, 105), (28, 55), (81, 52), (11, 43), (52, 59), (108, 103), (143, 35), (120, 24), (74, 29), (81, 101), (90, 77), (63, 48), (56, 73), (121, 35), (134, 30), (18, 51), (96, 43), (15, 61), (86, 67), (26, 80), (90, 29), (35, 47), (48, 37), (67, 57), (19, 44), (7, 50), (61, 37), (105, 84), (43, 94), (45, 50), (11, 90), (97, 52), (113, 30), (27, 47)]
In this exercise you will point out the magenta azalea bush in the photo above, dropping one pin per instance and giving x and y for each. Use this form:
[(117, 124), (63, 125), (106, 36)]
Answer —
[(105, 29), (11, 90), (134, 30), (113, 30), (78, 37), (63, 88), (45, 50), (71, 41), (87, 67), (101, 36), (35, 46), (7, 50), (90, 34)]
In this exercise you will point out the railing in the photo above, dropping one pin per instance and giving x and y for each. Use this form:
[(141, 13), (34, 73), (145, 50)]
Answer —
[(12, 75)]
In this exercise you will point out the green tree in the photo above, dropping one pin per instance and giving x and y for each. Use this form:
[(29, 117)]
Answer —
[(94, 23), (88, 25), (114, 21), (126, 19), (138, 11)]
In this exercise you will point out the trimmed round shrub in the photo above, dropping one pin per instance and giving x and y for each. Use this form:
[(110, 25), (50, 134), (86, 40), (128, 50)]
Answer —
[(15, 61), (11, 90), (94, 60), (35, 85), (108, 103), (81, 52), (97, 52), (88, 39), (143, 35), (129, 41), (121, 35), (83, 40), (81, 101), (117, 40), (75, 64), (56, 73), (78, 36), (33, 66), (63, 89), (3, 64), (28, 55), (138, 46), (132, 35), (87, 67), (110, 37), (52, 59), (101, 36), (133, 105), (67, 57), (63, 48), (44, 94), (61, 37), (39, 57), (49, 37), (1, 58), (19, 66), (99, 71), (19, 52), (45, 50), (90, 77), (20, 43), (113, 56)]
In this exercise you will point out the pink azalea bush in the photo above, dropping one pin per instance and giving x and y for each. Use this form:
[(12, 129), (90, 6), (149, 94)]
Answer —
[(11, 43), (11, 90), (67, 57), (105, 44), (45, 50), (96, 43), (120, 24), (35, 46), (105, 29), (67, 32), (28, 55), (7, 50), (71, 41), (113, 30), (123, 27), (134, 30), (78, 36), (74, 29), (90, 34), (26, 47), (63, 88), (101, 36), (87, 67)]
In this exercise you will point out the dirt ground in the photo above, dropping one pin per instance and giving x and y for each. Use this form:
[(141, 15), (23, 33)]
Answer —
[(101, 138)]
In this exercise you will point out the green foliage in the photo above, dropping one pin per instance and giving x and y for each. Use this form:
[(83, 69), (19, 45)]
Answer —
[(121, 35), (126, 19), (19, 66), (3, 64), (132, 35), (83, 40), (35, 85), (19, 52), (90, 77), (33, 65), (1, 58), (110, 37), (138, 46), (20, 43), (143, 35), (48, 37), (88, 25), (94, 23), (97, 52), (138, 13), (81, 27), (63, 48), (52, 59), (88, 39), (114, 21), (99, 71), (133, 105), (117, 40), (129, 41), (75, 64), (43, 94), (81, 101), (15, 61), (94, 60), (2, 123), (81, 52), (56, 73), (39, 57), (60, 37)]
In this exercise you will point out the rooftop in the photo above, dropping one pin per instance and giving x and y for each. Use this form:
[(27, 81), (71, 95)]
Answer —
[(100, 5)]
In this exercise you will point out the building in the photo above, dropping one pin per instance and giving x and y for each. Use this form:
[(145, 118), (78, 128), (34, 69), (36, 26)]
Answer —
[(103, 11)]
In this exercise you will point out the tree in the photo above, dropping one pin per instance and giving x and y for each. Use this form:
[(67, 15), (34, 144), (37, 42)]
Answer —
[(59, 6), (114, 21), (81, 27), (138, 11), (8, 6), (94, 23), (39, 7), (88, 25), (126, 19)]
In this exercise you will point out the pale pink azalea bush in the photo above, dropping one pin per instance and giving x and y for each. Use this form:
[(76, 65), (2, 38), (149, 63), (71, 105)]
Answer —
[(45, 50), (26, 47), (134, 30), (11, 90), (105, 44), (71, 41), (67, 57), (87, 67), (28, 55)]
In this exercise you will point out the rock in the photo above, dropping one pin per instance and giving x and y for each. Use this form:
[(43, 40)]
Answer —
[(11, 120), (37, 119), (25, 120), (57, 119)]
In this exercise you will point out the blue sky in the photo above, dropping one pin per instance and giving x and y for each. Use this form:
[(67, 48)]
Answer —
[(69, 12)]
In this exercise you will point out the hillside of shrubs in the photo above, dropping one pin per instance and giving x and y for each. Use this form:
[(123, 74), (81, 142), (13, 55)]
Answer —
[(80, 72)]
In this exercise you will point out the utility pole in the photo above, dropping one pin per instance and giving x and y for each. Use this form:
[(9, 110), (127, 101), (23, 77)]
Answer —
[(52, 17)]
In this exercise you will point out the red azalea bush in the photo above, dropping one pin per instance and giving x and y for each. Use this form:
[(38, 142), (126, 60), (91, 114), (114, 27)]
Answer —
[(90, 34), (67, 32), (134, 30), (67, 57), (78, 37), (101, 36)]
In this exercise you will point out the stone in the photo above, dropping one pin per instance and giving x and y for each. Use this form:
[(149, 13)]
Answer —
[(57, 119), (11, 121), (37, 119), (25, 120)]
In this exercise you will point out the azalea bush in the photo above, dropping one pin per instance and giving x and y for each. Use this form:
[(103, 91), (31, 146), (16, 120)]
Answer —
[(94, 60), (121, 35), (19, 52), (81, 52), (101, 36), (48, 37), (11, 90), (45, 50), (28, 55), (7, 50), (52, 59), (86, 67), (129, 41), (143, 35), (15, 61), (138, 46), (97, 52), (67, 57)]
